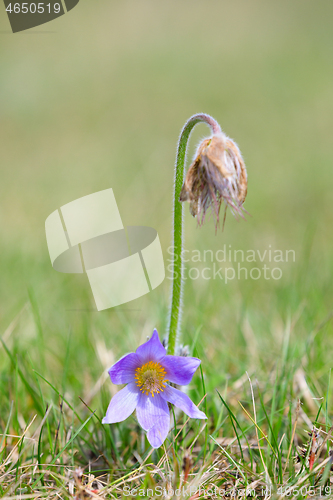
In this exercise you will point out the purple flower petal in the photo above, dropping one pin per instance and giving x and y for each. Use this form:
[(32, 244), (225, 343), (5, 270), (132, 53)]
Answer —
[(150, 410), (158, 433), (182, 401), (123, 371), (152, 350), (180, 369), (122, 404)]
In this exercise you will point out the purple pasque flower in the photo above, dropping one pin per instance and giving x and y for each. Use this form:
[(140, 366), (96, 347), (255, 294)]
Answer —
[(146, 373)]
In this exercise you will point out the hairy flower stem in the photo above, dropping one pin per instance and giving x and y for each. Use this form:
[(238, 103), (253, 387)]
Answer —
[(177, 260)]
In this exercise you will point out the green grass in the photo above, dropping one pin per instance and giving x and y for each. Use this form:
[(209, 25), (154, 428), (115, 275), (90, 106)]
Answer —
[(249, 440), (98, 104)]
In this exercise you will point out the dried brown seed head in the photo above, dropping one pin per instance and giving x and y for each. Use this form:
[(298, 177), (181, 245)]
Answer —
[(217, 174)]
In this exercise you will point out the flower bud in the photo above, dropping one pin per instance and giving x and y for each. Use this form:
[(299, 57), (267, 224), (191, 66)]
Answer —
[(217, 174)]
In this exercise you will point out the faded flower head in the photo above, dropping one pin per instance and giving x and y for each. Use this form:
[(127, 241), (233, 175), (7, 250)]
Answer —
[(217, 174), (147, 373)]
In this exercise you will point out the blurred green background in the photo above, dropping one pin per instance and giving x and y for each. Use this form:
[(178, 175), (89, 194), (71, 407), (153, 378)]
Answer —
[(97, 99)]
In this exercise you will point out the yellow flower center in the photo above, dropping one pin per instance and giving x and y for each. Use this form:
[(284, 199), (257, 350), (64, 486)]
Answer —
[(150, 377)]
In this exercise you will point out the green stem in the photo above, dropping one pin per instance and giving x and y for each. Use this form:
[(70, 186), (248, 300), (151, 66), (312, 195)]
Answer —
[(177, 278)]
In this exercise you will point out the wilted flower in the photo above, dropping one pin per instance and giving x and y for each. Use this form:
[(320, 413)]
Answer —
[(146, 373), (217, 174)]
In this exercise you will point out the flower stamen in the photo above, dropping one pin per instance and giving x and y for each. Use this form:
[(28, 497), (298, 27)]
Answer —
[(150, 378)]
